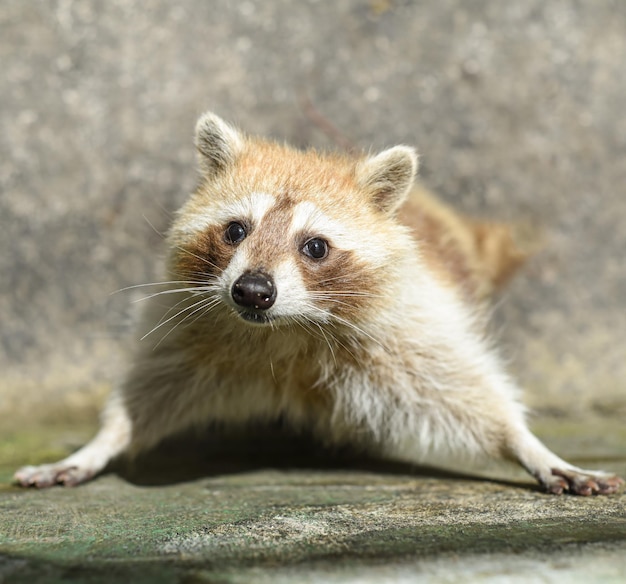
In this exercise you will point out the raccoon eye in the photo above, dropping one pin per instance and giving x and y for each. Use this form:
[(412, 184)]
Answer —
[(316, 248), (235, 233)]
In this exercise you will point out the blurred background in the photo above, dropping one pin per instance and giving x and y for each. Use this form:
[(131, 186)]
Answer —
[(517, 110)]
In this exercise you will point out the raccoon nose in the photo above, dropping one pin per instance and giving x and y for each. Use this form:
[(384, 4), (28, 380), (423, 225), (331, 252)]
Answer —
[(254, 290)]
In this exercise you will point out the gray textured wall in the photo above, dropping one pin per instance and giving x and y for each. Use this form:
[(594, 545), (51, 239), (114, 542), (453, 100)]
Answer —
[(516, 107)]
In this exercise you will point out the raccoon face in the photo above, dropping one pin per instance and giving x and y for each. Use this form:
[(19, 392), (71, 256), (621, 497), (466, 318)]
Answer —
[(273, 260), (287, 237), (255, 290)]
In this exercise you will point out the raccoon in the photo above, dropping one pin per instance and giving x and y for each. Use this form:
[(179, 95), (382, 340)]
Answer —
[(328, 291)]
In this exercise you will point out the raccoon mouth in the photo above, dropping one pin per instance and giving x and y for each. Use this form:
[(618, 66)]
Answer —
[(254, 317)]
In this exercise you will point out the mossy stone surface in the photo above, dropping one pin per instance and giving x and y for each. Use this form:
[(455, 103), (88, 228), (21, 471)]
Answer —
[(269, 508)]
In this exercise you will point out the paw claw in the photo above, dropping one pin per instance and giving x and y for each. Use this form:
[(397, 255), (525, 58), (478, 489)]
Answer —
[(582, 482), (47, 475)]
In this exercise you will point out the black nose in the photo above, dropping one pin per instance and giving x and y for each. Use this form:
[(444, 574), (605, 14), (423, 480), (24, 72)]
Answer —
[(254, 290)]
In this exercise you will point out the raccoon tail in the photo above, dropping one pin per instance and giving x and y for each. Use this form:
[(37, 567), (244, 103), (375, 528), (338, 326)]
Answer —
[(498, 252), (480, 256)]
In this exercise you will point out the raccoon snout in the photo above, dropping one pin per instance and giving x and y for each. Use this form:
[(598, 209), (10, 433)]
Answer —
[(254, 290)]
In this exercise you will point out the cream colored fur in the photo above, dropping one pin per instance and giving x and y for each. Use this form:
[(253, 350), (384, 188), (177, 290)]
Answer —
[(386, 353)]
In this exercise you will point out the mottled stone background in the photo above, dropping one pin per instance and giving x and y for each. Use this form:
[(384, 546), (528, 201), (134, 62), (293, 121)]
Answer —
[(516, 107)]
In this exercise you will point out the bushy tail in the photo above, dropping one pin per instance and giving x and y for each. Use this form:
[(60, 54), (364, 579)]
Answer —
[(497, 255), (480, 256)]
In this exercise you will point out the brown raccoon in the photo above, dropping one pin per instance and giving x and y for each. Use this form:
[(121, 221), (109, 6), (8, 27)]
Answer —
[(325, 290)]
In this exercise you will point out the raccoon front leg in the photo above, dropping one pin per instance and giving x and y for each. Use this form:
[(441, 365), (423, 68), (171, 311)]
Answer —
[(510, 439), (482, 420), (119, 433), (553, 473), (112, 440), (152, 404)]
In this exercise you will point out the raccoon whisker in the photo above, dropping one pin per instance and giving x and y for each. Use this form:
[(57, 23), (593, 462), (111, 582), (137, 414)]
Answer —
[(328, 333), (163, 320), (345, 348), (333, 300), (204, 310), (337, 320), (302, 323), (336, 301), (357, 329), (306, 325), (333, 279), (331, 293), (195, 291), (343, 345), (325, 333), (159, 325), (330, 347), (201, 277), (187, 282), (326, 281), (201, 291), (161, 234), (272, 371), (204, 260), (172, 309), (210, 301)]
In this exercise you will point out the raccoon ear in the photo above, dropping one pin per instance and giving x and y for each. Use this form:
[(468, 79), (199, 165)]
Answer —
[(388, 176), (217, 142)]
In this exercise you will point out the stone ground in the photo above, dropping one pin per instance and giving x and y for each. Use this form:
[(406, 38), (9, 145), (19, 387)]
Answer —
[(517, 109), (256, 509)]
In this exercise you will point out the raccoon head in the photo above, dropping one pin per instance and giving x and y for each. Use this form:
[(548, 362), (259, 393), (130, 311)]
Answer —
[(285, 237)]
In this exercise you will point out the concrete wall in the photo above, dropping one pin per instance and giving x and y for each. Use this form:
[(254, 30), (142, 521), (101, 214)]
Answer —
[(516, 107)]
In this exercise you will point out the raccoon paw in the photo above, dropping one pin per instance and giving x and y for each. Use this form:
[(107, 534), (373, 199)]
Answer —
[(582, 482), (47, 475)]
